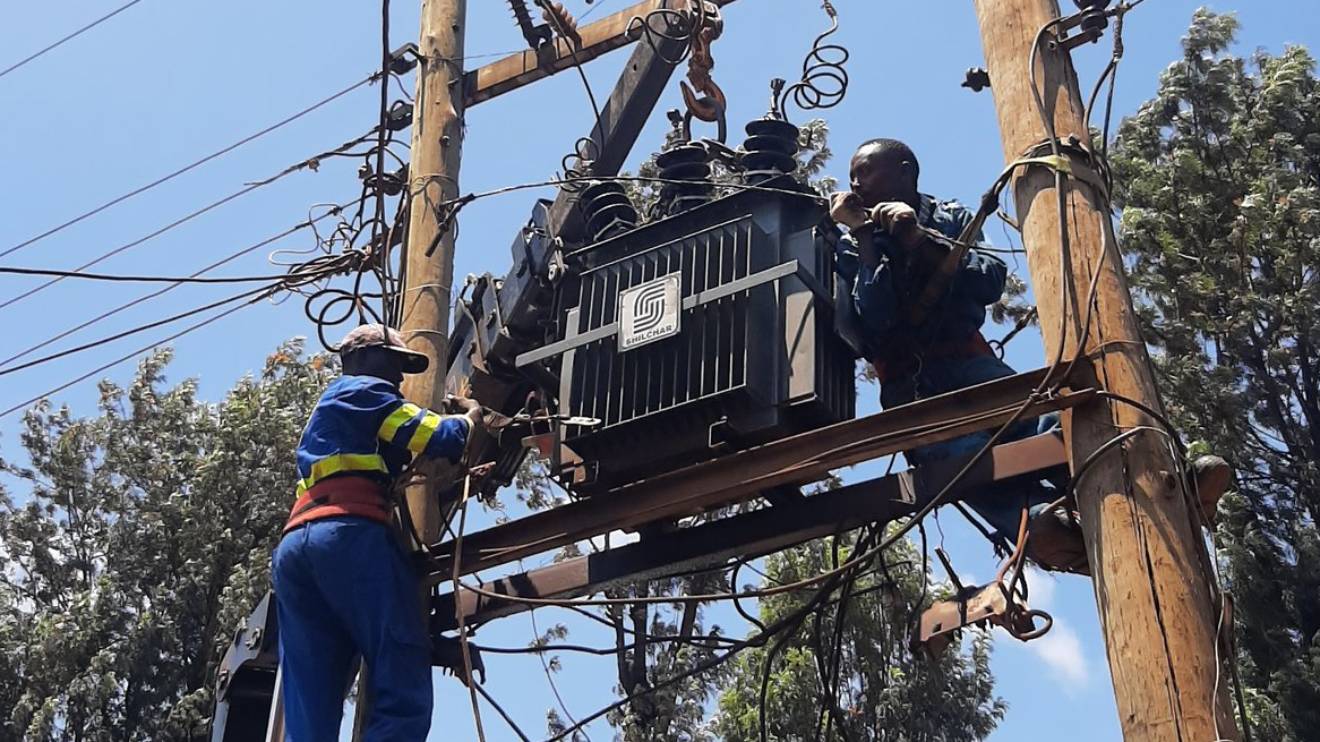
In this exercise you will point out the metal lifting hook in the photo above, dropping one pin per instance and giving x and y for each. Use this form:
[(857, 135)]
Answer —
[(707, 25)]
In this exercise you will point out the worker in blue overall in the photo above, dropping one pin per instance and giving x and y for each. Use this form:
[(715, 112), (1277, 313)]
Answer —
[(343, 585), (889, 264)]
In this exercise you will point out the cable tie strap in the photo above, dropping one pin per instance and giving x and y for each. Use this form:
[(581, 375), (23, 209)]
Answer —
[(1075, 161)]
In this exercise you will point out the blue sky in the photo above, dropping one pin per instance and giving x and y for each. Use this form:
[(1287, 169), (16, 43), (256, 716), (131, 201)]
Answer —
[(165, 82)]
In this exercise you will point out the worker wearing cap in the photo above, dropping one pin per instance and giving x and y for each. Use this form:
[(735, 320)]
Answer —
[(343, 585), (890, 262)]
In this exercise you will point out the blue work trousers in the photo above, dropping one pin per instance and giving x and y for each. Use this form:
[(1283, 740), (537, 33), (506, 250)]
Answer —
[(343, 587), (999, 504)]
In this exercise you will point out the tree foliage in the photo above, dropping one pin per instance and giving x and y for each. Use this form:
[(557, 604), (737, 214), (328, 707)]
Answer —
[(1219, 184), (886, 691), (142, 539)]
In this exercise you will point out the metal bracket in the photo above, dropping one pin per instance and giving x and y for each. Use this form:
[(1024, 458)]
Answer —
[(989, 604)]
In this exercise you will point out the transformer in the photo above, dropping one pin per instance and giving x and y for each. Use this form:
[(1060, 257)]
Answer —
[(700, 334)]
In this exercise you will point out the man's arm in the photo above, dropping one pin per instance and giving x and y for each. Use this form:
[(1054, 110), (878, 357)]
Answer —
[(982, 277), (405, 426), (874, 292), (424, 432), (871, 271)]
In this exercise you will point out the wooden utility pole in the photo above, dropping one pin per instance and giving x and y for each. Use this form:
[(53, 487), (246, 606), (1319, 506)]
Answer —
[(1152, 579), (428, 258), (437, 143)]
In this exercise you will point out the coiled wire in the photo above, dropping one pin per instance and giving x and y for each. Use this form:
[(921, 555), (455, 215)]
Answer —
[(677, 29), (824, 80), (576, 165)]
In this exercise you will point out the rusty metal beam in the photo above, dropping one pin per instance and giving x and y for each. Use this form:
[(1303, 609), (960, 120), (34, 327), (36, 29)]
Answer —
[(526, 67), (795, 460), (748, 536)]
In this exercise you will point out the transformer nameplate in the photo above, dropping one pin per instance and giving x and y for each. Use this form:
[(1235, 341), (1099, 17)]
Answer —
[(650, 312)]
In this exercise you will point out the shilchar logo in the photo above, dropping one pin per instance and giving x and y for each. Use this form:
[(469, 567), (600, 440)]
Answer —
[(649, 312)]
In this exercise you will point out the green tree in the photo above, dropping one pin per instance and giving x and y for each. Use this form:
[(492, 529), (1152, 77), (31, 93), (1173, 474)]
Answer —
[(885, 690), (142, 540), (1218, 179)]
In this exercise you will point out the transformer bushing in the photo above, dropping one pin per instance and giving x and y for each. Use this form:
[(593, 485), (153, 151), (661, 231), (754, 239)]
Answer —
[(606, 210), (685, 175), (770, 150)]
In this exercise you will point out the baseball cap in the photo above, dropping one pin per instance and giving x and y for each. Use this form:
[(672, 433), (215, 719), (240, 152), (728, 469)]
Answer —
[(372, 336)]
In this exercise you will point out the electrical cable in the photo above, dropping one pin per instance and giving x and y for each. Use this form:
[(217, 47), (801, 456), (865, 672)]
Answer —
[(162, 230), (470, 681), (146, 297), (191, 166), (503, 714), (69, 37), (128, 245), (758, 639), (545, 666), (326, 268), (126, 357), (118, 278), (824, 82), (141, 328), (382, 139), (677, 31), (554, 19)]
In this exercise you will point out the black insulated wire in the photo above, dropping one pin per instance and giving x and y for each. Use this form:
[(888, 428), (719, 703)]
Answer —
[(68, 37), (190, 166)]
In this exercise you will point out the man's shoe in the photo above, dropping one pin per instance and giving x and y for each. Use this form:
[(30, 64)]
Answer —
[(1211, 475), (1055, 542)]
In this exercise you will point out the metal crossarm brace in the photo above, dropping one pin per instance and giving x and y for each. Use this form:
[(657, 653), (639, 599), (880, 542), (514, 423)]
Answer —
[(796, 460), (526, 67), (751, 535)]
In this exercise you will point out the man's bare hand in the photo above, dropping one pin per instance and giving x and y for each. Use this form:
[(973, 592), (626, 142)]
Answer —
[(846, 208), (469, 408), (899, 220)]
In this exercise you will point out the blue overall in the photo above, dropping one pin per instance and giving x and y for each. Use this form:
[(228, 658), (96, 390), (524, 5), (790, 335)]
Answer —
[(881, 297), (343, 585)]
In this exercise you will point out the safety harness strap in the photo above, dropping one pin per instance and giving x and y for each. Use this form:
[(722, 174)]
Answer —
[(343, 495)]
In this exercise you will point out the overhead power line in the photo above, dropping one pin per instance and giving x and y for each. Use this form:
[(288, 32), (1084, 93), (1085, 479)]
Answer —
[(147, 297), (69, 37), (192, 166), (128, 356), (128, 245), (310, 162), (256, 293), (117, 278), (318, 268)]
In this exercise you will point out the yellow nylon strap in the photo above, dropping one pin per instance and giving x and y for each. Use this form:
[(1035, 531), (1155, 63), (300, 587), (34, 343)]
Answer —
[(1060, 163), (397, 419), (425, 429), (339, 463)]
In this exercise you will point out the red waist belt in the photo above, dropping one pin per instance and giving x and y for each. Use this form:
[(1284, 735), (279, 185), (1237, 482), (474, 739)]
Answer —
[(973, 346), (349, 495)]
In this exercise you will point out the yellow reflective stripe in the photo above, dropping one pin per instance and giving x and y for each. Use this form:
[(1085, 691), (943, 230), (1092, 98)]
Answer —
[(425, 429), (339, 463), (397, 419)]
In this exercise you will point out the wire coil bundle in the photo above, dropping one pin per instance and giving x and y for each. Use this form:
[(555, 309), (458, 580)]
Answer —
[(824, 82)]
